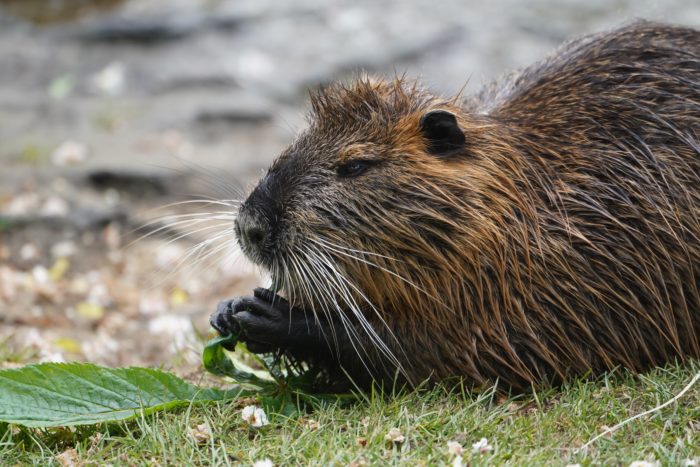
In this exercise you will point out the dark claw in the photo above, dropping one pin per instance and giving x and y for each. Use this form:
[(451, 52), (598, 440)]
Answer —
[(224, 322)]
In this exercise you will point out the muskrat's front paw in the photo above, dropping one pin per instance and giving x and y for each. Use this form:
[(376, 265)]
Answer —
[(266, 323), (263, 320)]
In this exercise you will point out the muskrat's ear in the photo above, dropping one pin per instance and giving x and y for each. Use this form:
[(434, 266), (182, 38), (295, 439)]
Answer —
[(441, 130)]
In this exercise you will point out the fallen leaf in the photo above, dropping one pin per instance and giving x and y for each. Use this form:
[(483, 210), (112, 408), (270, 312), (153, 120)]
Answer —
[(68, 458), (67, 344), (59, 269), (201, 433), (178, 297), (89, 310)]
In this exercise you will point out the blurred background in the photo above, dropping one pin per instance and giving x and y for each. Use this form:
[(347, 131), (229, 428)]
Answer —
[(112, 110)]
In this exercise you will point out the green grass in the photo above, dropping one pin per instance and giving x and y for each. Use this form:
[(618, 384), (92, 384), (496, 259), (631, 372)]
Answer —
[(539, 429)]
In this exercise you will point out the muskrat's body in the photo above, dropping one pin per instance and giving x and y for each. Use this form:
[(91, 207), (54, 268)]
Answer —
[(546, 228)]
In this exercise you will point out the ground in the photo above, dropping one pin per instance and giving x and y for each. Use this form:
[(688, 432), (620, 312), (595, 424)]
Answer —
[(434, 428), (111, 111)]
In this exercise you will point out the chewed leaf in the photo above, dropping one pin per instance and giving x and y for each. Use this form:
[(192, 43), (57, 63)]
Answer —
[(283, 393), (214, 357), (216, 361), (66, 394)]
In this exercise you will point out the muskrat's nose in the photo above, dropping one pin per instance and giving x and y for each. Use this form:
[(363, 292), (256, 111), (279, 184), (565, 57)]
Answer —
[(254, 235), (250, 233)]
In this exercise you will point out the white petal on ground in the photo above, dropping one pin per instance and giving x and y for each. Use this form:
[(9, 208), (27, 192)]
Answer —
[(201, 433), (395, 436), (254, 416), (454, 448), (482, 446)]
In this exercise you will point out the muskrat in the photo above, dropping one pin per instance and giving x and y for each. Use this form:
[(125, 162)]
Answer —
[(545, 228)]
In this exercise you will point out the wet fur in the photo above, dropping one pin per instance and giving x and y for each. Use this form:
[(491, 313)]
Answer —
[(563, 240)]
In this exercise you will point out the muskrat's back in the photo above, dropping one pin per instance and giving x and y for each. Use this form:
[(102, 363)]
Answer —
[(610, 158)]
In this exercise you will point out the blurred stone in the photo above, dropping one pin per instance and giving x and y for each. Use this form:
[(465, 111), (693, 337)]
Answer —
[(29, 252), (43, 12), (22, 204), (152, 304), (234, 114), (168, 255), (140, 30), (177, 328), (54, 206), (112, 236), (63, 249)]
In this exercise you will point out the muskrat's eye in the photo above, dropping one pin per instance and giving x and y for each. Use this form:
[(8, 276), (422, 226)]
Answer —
[(353, 168)]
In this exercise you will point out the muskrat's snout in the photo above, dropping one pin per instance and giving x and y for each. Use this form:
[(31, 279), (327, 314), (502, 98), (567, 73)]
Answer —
[(258, 225), (255, 236), (250, 233)]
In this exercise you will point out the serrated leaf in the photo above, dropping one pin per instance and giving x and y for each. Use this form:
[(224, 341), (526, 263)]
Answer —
[(217, 362), (283, 394), (67, 394)]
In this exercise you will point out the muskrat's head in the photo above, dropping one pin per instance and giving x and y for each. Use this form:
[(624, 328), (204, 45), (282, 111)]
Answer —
[(370, 201)]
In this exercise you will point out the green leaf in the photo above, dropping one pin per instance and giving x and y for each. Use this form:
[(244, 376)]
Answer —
[(67, 394), (216, 361), (286, 393)]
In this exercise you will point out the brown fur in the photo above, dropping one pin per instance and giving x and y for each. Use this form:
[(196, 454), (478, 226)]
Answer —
[(564, 240)]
